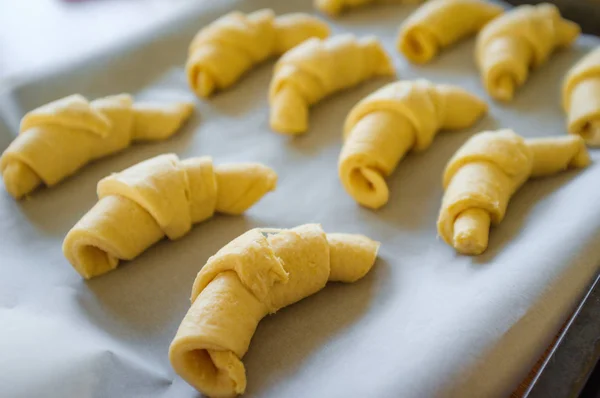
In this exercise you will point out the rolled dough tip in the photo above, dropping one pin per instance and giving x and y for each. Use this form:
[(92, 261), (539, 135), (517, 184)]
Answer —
[(505, 89), (591, 133), (416, 48), (205, 85), (19, 180), (468, 244), (289, 112), (471, 232)]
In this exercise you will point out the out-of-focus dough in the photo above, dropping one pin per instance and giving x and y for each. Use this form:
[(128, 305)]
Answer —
[(317, 68), (61, 137), (486, 171), (336, 7), (224, 50), (157, 197), (581, 98), (397, 118), (440, 23), (518, 41), (254, 275)]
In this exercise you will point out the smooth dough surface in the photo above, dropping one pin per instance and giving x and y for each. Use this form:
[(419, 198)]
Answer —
[(581, 98), (397, 118), (254, 275), (318, 68), (224, 50), (336, 7), (157, 197), (59, 138), (518, 41), (440, 23), (486, 171)]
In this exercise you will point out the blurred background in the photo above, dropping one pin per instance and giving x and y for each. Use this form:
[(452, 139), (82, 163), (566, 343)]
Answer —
[(37, 34)]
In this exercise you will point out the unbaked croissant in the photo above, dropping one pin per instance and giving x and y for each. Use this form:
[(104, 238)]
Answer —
[(254, 275), (160, 196), (484, 173), (581, 98), (317, 68), (59, 138), (335, 7), (440, 23), (518, 41), (224, 50), (397, 118)]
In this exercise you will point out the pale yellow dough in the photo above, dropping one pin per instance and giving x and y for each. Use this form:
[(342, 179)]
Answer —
[(317, 68), (336, 7), (518, 41), (61, 137), (397, 118), (440, 23), (581, 98), (224, 50), (254, 275), (486, 171), (157, 197)]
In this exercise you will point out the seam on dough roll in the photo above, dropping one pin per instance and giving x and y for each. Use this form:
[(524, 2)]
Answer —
[(257, 273), (518, 41), (318, 68), (61, 137), (399, 117), (227, 48), (581, 98), (160, 196), (481, 177), (440, 23)]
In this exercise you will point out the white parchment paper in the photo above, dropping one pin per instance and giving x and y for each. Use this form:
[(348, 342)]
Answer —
[(425, 322)]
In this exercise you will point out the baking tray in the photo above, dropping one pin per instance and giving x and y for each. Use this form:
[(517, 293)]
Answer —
[(424, 322)]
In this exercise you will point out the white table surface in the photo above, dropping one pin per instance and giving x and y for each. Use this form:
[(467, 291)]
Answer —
[(42, 34)]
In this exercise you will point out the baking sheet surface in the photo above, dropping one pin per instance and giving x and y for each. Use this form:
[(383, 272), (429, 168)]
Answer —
[(425, 321)]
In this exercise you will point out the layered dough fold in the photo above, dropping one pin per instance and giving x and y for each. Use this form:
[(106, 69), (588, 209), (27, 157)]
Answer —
[(160, 196), (397, 118), (224, 50), (440, 23), (520, 40), (317, 68), (59, 138), (254, 275), (485, 172), (581, 98), (336, 7)]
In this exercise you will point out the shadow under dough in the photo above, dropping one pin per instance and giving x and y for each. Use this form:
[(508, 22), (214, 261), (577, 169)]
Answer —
[(326, 119), (247, 94), (284, 340), (522, 203), (152, 291), (418, 178)]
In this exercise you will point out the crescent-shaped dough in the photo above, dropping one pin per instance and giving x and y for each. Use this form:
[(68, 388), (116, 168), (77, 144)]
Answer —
[(486, 171), (440, 23), (519, 41), (581, 98), (224, 50), (336, 7), (254, 275), (61, 137), (157, 197), (317, 68), (397, 118)]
